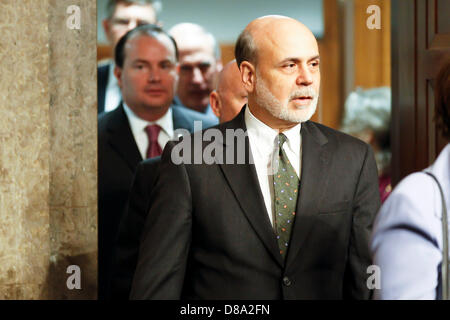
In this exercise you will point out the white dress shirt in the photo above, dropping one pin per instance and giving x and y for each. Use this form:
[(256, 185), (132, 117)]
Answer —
[(113, 96), (138, 125), (262, 145)]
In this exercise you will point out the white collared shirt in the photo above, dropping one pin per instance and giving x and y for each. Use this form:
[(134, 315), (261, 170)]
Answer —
[(113, 95), (138, 125), (262, 144)]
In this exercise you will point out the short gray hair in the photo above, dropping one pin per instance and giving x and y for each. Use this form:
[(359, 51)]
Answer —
[(245, 49), (111, 5), (190, 30)]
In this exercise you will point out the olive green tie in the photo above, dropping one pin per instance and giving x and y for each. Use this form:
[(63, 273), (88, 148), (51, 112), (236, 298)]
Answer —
[(286, 185)]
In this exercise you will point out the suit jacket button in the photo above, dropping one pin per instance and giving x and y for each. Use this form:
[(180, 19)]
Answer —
[(286, 281)]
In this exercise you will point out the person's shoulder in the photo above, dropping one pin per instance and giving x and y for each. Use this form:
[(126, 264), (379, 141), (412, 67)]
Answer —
[(104, 64), (105, 118), (192, 115), (334, 136), (414, 187), (411, 202)]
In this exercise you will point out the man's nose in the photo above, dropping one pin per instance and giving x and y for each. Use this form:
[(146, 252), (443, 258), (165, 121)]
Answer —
[(305, 77), (132, 24), (154, 75), (197, 75)]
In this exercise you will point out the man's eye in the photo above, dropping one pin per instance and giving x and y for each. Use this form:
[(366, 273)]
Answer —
[(204, 67), (290, 65), (186, 68), (122, 21), (141, 23), (166, 65)]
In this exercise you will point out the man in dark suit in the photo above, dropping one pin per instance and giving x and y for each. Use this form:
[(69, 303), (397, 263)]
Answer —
[(288, 216), (139, 128), (122, 16), (226, 101)]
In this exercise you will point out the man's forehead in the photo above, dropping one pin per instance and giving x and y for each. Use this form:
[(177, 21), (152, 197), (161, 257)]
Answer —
[(295, 46), (138, 11), (196, 55), (147, 41)]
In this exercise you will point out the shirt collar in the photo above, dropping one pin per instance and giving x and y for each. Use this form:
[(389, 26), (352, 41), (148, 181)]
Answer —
[(138, 125), (266, 135)]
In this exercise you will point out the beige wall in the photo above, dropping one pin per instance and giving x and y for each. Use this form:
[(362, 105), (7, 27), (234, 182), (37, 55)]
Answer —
[(48, 139)]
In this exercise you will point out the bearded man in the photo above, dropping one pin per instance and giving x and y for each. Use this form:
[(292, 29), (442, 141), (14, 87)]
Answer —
[(293, 221)]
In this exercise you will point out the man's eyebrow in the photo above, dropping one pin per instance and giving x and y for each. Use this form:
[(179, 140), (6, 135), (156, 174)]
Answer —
[(140, 61), (294, 59)]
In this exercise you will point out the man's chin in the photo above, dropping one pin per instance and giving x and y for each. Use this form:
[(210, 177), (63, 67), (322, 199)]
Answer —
[(298, 114)]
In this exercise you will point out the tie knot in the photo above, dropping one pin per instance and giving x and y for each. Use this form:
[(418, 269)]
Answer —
[(281, 139), (152, 131)]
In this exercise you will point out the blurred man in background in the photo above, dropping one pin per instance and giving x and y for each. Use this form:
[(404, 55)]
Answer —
[(122, 16), (200, 65), (230, 95), (146, 69)]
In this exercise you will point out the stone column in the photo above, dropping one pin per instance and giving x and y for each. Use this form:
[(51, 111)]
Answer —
[(48, 149)]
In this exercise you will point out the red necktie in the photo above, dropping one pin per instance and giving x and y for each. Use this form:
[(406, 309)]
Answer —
[(154, 149)]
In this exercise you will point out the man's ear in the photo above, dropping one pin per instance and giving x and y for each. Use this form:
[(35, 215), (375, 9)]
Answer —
[(214, 101), (248, 75), (219, 65), (107, 28), (118, 74)]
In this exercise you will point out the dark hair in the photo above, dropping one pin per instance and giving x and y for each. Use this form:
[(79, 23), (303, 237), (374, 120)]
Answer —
[(112, 4), (245, 49), (442, 99), (150, 30)]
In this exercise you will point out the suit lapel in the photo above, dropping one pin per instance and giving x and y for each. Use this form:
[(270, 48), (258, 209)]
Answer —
[(244, 183), (121, 138), (315, 158)]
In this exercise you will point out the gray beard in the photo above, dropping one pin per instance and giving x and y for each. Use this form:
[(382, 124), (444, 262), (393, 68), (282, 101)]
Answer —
[(267, 100)]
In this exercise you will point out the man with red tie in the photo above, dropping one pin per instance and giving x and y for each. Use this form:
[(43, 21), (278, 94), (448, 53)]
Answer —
[(146, 61)]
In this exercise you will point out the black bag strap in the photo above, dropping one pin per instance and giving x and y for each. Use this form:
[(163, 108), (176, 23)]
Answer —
[(445, 284)]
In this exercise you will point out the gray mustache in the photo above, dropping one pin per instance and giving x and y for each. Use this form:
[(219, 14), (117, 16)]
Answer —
[(305, 92)]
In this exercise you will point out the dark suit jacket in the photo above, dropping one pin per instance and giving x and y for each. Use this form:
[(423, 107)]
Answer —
[(118, 157), (102, 82), (208, 236), (131, 226)]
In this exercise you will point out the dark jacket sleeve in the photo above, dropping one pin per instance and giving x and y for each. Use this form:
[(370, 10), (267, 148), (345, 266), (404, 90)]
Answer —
[(130, 229), (365, 207), (166, 238)]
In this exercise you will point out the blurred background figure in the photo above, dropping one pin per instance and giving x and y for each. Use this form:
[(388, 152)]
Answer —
[(230, 95), (407, 240), (367, 116), (122, 16), (146, 60), (200, 65)]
